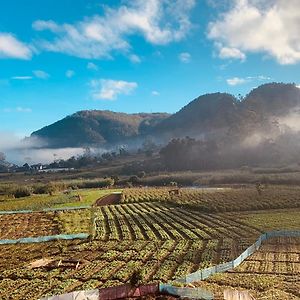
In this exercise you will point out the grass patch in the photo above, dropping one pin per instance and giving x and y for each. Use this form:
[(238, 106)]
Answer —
[(288, 219), (59, 200)]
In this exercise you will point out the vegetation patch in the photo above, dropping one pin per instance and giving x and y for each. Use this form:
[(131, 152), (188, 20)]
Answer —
[(221, 200), (288, 219)]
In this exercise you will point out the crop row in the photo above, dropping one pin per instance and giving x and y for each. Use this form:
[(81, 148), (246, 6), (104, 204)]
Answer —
[(218, 200), (14, 226), (102, 263), (159, 221), (274, 257)]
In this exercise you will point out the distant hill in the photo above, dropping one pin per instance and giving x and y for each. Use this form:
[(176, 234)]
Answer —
[(220, 114), (216, 114), (274, 99), (202, 116), (97, 128)]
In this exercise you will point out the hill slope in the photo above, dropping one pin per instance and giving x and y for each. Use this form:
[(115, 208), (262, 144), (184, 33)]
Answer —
[(213, 115), (202, 116), (97, 128)]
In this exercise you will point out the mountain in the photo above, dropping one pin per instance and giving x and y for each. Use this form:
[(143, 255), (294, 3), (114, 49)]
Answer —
[(215, 115), (97, 128), (275, 99), (205, 114)]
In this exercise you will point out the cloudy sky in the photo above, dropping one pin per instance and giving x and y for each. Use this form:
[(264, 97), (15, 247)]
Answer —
[(61, 56)]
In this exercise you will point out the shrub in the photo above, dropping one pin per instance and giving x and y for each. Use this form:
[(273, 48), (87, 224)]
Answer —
[(40, 189), (96, 183), (141, 174), (134, 179), (7, 189), (22, 191)]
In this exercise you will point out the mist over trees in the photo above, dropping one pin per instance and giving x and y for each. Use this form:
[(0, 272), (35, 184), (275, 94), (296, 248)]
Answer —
[(213, 131)]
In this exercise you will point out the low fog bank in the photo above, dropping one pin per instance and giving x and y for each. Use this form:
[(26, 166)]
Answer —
[(44, 156), (19, 150), (273, 141), (257, 141)]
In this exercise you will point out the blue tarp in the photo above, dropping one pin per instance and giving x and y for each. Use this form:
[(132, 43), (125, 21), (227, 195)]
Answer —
[(42, 239), (192, 293), (9, 212)]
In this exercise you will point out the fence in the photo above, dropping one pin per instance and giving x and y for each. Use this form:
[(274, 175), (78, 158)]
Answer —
[(192, 293), (112, 293), (127, 291), (48, 238), (81, 295), (27, 211), (205, 273), (237, 295)]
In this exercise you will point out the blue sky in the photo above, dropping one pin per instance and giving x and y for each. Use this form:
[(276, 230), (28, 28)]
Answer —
[(61, 56)]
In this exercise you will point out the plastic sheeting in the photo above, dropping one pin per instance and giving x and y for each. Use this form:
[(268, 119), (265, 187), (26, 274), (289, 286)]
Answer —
[(127, 291), (237, 295), (11, 212), (112, 293), (192, 293), (48, 238), (81, 295), (28, 211)]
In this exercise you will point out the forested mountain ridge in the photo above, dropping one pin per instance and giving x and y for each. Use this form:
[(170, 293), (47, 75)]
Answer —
[(264, 110), (97, 128)]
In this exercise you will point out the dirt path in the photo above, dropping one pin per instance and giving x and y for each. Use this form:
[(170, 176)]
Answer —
[(109, 199)]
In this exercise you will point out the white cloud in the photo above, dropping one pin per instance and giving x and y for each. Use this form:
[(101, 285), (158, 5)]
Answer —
[(155, 93), (108, 89), (159, 22), (23, 109), (17, 109), (185, 57), (92, 66), (267, 26), (41, 25), (11, 47), (21, 77), (41, 74), (70, 73), (260, 77), (236, 81), (234, 53), (134, 59)]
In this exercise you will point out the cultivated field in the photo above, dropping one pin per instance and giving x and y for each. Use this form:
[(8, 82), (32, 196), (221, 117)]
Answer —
[(221, 200), (159, 235), (14, 226), (104, 264), (72, 198), (273, 272)]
